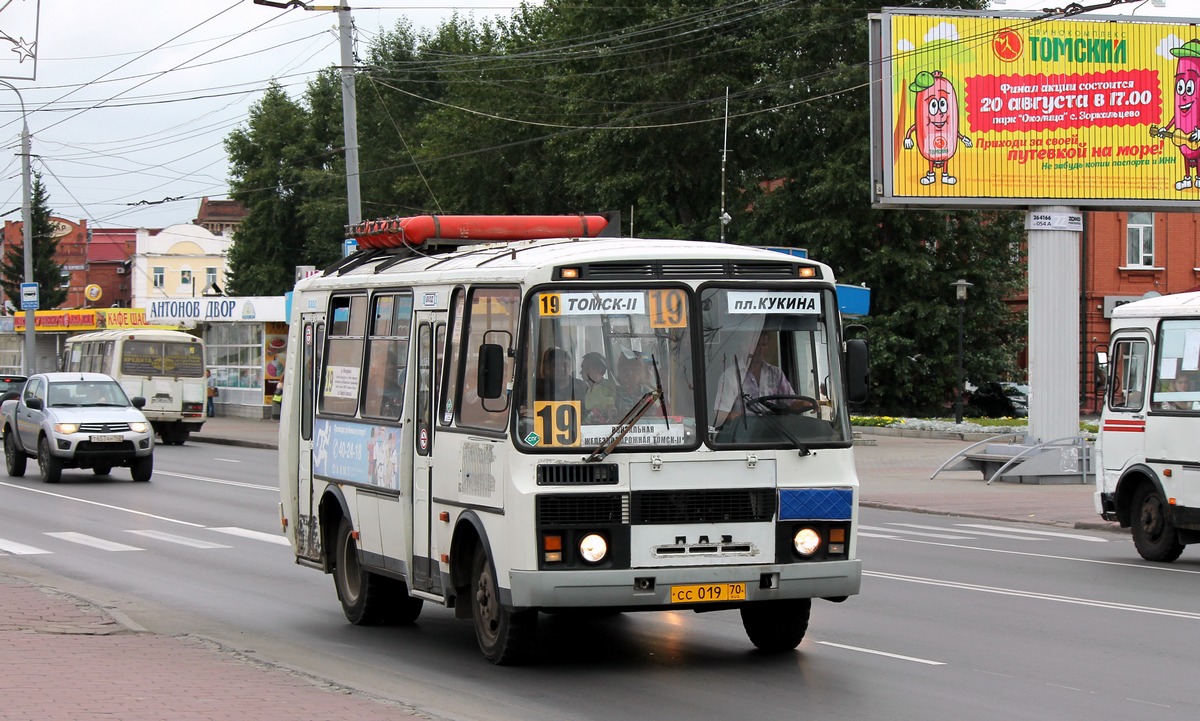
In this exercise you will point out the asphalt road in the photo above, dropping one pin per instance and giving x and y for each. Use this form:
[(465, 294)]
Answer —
[(959, 617)]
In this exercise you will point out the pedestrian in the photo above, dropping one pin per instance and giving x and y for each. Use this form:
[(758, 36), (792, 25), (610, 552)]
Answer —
[(213, 392)]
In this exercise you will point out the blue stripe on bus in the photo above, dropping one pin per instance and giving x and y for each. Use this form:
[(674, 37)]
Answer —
[(823, 504)]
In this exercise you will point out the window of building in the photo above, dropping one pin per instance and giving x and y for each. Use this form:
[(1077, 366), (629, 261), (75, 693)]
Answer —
[(1139, 234), (66, 279), (235, 356), (210, 277), (160, 275)]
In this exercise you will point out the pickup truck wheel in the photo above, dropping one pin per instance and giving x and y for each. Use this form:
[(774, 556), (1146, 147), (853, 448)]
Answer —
[(14, 458), (141, 468), (50, 466)]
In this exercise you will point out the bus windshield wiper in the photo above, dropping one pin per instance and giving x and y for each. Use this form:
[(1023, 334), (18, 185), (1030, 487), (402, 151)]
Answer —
[(763, 411), (631, 418)]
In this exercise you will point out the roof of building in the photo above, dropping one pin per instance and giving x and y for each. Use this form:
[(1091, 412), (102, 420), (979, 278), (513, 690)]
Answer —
[(219, 210)]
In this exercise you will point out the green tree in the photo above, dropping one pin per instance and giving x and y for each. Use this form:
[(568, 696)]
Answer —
[(47, 273)]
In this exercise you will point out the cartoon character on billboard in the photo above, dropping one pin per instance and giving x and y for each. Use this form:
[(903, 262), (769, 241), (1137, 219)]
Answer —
[(936, 125), (1184, 128)]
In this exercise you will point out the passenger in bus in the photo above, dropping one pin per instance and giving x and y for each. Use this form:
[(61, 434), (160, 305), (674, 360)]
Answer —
[(556, 380), (1181, 383), (600, 399), (633, 376), (759, 378)]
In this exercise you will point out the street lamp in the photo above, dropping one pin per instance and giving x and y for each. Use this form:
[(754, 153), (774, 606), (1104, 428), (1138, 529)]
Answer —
[(960, 292)]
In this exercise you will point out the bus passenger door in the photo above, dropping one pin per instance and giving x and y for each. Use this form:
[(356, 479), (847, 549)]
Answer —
[(1123, 426), (312, 341), (431, 341)]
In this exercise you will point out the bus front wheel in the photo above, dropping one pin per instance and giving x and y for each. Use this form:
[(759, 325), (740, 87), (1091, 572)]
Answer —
[(776, 626), (1154, 536), (505, 636)]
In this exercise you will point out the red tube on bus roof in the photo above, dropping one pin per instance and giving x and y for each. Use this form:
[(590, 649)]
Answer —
[(415, 230)]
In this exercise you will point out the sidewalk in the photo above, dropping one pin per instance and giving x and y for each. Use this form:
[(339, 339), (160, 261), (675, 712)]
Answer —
[(64, 657)]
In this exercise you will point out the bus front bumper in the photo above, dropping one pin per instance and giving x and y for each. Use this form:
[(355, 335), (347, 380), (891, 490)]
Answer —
[(650, 588)]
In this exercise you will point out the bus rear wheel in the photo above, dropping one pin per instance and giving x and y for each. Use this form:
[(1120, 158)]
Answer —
[(1154, 536), (776, 626), (505, 637), (368, 599)]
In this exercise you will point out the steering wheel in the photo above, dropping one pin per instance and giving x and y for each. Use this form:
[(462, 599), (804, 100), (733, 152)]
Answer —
[(785, 404)]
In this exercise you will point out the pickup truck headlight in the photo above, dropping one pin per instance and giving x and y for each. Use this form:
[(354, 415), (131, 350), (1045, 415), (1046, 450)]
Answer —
[(66, 428), (138, 427)]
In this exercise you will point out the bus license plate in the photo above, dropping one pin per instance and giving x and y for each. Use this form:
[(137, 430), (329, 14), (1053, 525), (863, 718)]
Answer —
[(707, 592), (105, 439)]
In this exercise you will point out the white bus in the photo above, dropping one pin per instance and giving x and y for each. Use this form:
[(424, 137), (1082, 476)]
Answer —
[(1148, 458), (440, 443), (166, 367)]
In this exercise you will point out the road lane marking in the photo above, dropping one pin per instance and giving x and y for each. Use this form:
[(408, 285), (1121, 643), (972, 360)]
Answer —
[(945, 536), (181, 540), (227, 460), (977, 533), (863, 534), (1034, 595), (219, 481), (86, 540), (1054, 534), (872, 651), (102, 505), (20, 549), (256, 535)]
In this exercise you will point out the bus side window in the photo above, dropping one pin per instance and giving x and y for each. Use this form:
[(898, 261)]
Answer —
[(343, 361), (493, 315), (448, 394), (1129, 364), (387, 356)]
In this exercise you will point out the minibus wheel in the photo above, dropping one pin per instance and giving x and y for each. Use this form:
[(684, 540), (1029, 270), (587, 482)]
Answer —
[(505, 637), (776, 626), (1154, 537)]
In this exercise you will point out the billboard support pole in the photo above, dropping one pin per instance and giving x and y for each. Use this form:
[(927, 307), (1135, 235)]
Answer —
[(1053, 324)]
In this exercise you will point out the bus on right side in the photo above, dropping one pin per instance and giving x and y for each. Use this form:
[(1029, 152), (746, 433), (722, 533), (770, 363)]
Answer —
[(1148, 449)]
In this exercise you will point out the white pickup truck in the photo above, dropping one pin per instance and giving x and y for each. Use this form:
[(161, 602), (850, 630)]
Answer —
[(76, 420)]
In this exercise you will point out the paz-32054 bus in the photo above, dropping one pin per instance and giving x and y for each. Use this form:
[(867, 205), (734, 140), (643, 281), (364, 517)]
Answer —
[(538, 420)]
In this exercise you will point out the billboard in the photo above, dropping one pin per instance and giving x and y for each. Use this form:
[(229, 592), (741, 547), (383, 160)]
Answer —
[(986, 110)]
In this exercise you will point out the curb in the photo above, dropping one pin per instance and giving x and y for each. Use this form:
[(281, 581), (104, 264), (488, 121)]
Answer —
[(1108, 526), (217, 440)]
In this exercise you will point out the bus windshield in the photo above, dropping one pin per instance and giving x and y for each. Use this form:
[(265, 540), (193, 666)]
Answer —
[(153, 358), (591, 356), (768, 355)]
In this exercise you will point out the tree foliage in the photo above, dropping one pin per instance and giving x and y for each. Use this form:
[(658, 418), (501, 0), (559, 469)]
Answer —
[(47, 273), (566, 107)]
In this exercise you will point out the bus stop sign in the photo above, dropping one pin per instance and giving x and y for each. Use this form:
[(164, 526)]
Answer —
[(29, 296)]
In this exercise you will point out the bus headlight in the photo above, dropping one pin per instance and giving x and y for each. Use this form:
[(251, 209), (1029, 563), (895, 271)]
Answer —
[(593, 548), (806, 542), (138, 427), (66, 428)]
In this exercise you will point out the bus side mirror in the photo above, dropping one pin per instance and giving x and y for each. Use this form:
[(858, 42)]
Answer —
[(1101, 365), (858, 371), (490, 382)]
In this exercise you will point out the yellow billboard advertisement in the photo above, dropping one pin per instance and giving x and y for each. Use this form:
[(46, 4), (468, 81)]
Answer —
[(982, 110)]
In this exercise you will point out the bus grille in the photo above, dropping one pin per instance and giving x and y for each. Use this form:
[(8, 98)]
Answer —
[(562, 474), (688, 269), (661, 507), (582, 509)]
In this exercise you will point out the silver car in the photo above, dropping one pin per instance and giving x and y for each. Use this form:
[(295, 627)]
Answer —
[(76, 420)]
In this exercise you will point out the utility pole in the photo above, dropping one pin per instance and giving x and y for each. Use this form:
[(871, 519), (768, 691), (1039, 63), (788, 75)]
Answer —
[(349, 103), (724, 153), (26, 231)]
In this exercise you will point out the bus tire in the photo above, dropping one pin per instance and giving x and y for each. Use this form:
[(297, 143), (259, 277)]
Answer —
[(1153, 535), (776, 626), (50, 467), (363, 594), (14, 457), (505, 637)]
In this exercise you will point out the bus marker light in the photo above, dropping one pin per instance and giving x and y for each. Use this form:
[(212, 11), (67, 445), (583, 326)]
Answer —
[(444, 516), (1171, 501), (1167, 472), (570, 273), (837, 535), (552, 543), (554, 557)]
